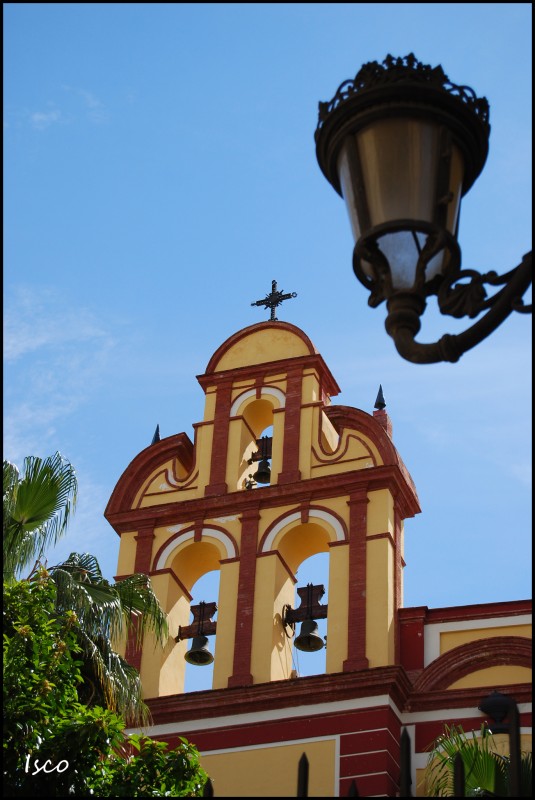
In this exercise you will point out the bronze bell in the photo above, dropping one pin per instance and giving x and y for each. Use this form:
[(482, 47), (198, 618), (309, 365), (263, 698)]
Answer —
[(309, 639), (199, 655), (263, 474)]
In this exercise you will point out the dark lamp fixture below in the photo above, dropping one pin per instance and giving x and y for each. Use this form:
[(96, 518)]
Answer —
[(402, 145)]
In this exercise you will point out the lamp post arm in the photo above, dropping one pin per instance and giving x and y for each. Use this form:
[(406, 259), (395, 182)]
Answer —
[(403, 321)]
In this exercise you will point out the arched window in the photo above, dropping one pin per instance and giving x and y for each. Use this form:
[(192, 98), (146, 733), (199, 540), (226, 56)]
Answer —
[(255, 436), (315, 571), (205, 590)]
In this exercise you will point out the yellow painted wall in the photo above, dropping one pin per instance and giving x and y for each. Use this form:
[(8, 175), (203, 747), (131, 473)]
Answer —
[(127, 553), (226, 624), (163, 669), (271, 650), (272, 771), (338, 608), (494, 676), (380, 512), (379, 602), (451, 639), (262, 346)]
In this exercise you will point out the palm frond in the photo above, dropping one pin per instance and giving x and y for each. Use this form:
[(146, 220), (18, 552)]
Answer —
[(118, 683), (141, 604), (37, 506)]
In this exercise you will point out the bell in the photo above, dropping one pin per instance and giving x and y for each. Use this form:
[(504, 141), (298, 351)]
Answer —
[(263, 474), (199, 655), (309, 639)]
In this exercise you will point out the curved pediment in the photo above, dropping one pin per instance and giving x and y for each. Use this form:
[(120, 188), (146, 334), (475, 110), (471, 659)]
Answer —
[(260, 344), (174, 452)]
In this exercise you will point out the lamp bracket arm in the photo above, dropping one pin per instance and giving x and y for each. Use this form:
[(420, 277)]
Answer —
[(470, 299), (403, 322)]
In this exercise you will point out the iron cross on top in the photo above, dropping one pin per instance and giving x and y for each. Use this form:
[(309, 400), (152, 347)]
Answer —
[(274, 299)]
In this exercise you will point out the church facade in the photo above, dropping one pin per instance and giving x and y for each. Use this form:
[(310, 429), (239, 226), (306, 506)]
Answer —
[(328, 480)]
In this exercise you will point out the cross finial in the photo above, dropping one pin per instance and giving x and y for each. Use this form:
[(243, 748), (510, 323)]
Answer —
[(274, 299)]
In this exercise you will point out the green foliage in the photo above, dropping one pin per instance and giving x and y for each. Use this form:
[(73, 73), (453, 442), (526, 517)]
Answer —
[(65, 688), (106, 613), (486, 772), (84, 749), (151, 771), (37, 507)]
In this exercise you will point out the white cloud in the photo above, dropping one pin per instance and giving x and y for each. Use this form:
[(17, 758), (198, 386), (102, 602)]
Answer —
[(95, 108), (55, 355), (34, 320), (41, 120)]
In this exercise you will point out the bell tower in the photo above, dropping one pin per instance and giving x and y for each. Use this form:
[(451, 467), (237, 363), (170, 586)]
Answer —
[(276, 474)]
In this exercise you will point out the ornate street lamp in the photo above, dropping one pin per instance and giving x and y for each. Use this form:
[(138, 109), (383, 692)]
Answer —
[(402, 144)]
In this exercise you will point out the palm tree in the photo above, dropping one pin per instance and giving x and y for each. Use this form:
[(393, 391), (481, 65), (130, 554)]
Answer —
[(37, 507), (108, 613), (486, 772)]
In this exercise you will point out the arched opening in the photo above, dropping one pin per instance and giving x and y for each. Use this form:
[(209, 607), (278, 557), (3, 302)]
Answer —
[(197, 568), (256, 438), (315, 571), (260, 461), (205, 590)]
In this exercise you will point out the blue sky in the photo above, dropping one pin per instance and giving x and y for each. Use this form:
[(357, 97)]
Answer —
[(160, 171)]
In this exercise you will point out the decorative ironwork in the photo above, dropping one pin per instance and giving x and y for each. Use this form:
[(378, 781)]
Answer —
[(202, 624), (470, 299), (309, 608), (274, 299), (402, 69), (264, 449)]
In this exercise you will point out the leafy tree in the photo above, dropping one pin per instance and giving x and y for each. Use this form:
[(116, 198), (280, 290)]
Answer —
[(37, 507), (83, 750), (107, 613), (486, 772), (65, 688)]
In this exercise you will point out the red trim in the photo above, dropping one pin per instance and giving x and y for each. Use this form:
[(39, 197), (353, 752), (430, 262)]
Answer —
[(243, 637), (218, 469), (324, 487), (260, 326), (410, 632), (312, 690), (356, 419), (292, 427), (140, 468), (172, 573), (479, 611), (306, 508), (283, 562), (356, 627), (468, 658), (427, 732)]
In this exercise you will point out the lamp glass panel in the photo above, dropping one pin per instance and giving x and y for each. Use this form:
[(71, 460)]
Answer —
[(455, 188), (350, 184), (399, 160), (402, 253)]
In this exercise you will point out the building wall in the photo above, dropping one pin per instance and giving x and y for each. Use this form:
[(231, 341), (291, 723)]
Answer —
[(338, 486)]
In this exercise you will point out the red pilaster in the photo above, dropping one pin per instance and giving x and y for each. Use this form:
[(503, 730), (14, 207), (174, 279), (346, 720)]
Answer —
[(356, 628), (243, 638), (292, 425), (411, 623), (144, 540), (218, 467)]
